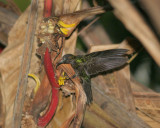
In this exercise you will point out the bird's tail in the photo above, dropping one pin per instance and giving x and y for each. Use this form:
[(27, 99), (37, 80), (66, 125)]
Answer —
[(88, 91)]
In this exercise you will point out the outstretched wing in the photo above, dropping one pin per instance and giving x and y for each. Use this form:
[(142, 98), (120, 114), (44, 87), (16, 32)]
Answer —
[(107, 53), (105, 60)]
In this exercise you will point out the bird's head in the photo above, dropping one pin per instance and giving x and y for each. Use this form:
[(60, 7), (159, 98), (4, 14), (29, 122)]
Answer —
[(66, 59)]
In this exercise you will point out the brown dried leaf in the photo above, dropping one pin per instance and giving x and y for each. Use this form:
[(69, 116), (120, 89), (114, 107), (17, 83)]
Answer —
[(9, 17), (129, 43), (64, 113), (116, 111), (63, 7), (71, 6), (134, 22), (152, 9), (70, 44), (95, 117), (57, 7), (10, 71), (124, 90), (41, 98), (25, 64), (2, 107), (3, 38), (95, 48), (11, 58)]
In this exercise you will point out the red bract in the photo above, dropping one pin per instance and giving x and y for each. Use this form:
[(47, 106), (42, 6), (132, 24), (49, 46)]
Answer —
[(49, 69), (44, 120), (47, 8)]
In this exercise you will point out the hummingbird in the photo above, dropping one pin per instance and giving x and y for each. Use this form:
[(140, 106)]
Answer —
[(86, 66)]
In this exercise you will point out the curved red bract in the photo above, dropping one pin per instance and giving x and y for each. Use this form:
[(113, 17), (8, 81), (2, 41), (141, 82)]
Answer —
[(44, 120), (49, 69)]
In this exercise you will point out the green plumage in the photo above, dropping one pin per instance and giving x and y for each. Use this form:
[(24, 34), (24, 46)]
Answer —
[(91, 64)]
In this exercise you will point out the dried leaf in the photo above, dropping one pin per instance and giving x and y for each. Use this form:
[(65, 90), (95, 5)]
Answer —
[(134, 22), (9, 17), (152, 9), (63, 7), (22, 84), (64, 114), (10, 71), (41, 98)]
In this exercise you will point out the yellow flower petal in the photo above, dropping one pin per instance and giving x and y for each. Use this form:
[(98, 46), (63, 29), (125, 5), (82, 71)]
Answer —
[(61, 79), (61, 23), (64, 31), (37, 82)]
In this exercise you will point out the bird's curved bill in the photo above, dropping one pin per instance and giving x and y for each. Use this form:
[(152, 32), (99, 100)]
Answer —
[(59, 63)]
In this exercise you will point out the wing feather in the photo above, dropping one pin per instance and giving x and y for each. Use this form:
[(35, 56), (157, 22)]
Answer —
[(101, 61), (98, 65), (107, 53)]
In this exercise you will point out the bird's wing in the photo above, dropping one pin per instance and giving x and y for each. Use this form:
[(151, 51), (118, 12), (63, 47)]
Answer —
[(108, 60), (107, 53)]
